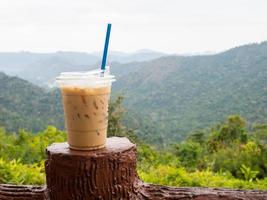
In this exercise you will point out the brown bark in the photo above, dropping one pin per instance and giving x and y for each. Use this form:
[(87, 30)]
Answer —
[(14, 192), (108, 173), (147, 192), (159, 192)]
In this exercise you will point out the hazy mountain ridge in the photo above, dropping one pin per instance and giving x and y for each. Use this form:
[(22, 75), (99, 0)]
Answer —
[(170, 96), (185, 93), (137, 56), (42, 68)]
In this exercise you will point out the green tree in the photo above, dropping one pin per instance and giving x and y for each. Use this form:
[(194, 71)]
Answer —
[(226, 134), (115, 126), (260, 133), (189, 153)]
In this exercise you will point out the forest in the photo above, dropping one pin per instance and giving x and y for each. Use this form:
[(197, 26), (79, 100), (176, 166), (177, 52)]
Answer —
[(166, 98), (225, 155)]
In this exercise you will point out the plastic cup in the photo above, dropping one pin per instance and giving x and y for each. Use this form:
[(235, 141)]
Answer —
[(85, 98)]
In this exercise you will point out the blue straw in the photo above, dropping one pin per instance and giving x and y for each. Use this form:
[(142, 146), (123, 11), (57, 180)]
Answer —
[(105, 53)]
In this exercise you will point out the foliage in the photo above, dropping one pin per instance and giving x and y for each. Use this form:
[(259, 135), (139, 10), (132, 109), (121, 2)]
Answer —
[(226, 155), (15, 172), (189, 153), (115, 126), (179, 176), (22, 155), (27, 147), (194, 162), (249, 175), (24, 105)]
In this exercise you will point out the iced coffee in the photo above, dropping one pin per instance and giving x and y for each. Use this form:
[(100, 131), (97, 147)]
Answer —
[(85, 105)]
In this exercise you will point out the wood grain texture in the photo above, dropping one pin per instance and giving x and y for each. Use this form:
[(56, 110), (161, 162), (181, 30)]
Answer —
[(158, 192), (108, 173), (23, 192), (146, 192)]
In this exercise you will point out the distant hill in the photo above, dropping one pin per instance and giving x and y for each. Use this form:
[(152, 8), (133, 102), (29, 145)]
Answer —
[(138, 56), (24, 105), (166, 97), (42, 68), (175, 95)]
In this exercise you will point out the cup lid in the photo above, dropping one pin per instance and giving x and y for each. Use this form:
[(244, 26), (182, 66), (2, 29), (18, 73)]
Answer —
[(93, 75), (93, 78)]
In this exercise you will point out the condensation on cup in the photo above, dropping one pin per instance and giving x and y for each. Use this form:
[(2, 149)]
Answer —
[(85, 98)]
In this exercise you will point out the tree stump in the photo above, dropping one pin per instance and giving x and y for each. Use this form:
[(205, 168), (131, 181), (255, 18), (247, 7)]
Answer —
[(108, 173)]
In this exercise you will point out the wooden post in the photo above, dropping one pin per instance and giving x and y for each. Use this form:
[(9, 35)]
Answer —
[(109, 173)]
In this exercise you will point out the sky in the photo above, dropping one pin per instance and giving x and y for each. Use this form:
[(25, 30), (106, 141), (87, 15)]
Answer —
[(171, 26)]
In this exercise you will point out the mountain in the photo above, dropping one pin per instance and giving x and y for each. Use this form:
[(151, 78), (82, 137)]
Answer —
[(44, 72), (42, 68), (166, 98), (137, 56), (13, 63), (24, 105), (171, 96)]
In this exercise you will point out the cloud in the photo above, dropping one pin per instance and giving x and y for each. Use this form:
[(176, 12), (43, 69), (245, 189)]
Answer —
[(164, 25)]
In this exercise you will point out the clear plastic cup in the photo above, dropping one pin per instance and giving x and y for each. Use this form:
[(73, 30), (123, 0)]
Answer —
[(85, 98)]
